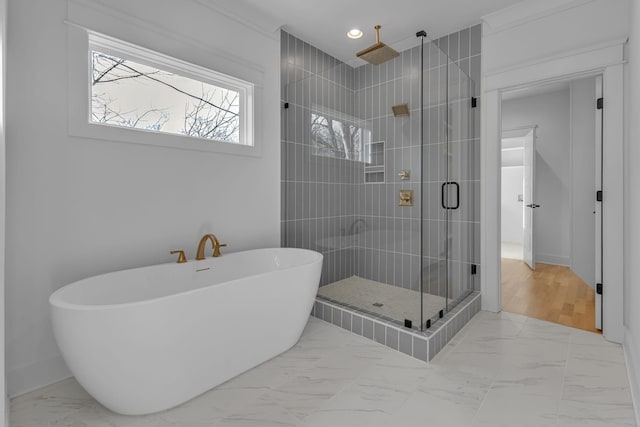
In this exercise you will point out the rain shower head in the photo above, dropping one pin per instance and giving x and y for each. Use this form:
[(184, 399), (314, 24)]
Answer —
[(377, 53)]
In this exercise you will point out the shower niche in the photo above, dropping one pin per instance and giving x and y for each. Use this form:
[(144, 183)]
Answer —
[(374, 162), (387, 258)]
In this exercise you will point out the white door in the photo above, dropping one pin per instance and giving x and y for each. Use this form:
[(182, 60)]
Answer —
[(598, 204), (529, 196)]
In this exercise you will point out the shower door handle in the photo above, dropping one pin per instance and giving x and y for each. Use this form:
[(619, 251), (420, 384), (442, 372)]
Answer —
[(443, 190)]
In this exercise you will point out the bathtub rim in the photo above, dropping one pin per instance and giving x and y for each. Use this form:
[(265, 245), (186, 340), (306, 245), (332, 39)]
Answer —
[(56, 301)]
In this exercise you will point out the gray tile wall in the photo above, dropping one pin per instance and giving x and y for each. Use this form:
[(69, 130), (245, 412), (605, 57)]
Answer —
[(359, 227), (317, 191), (388, 250)]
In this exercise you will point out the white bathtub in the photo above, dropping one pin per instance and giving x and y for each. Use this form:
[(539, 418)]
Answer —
[(147, 339)]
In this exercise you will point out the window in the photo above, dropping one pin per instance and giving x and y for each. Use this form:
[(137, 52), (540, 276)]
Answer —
[(335, 135), (131, 87)]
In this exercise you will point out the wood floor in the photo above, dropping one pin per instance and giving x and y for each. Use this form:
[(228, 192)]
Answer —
[(550, 292)]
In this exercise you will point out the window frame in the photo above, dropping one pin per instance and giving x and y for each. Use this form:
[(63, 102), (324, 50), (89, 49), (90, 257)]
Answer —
[(83, 42)]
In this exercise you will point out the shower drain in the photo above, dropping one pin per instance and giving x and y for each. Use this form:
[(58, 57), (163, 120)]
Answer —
[(377, 304)]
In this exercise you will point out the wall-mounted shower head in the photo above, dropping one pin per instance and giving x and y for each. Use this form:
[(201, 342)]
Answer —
[(400, 110), (377, 53), (421, 33)]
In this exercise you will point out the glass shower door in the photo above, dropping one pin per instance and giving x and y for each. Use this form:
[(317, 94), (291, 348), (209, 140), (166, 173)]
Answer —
[(435, 241), (450, 185), (462, 186)]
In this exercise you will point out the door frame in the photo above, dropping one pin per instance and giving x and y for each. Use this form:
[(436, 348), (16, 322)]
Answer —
[(606, 60)]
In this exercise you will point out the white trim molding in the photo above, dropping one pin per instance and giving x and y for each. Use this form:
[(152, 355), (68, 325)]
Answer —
[(607, 60), (522, 13), (572, 64)]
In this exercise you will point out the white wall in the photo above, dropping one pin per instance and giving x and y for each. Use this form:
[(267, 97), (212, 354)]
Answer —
[(79, 207), (583, 188), (632, 208), (550, 111), (511, 218)]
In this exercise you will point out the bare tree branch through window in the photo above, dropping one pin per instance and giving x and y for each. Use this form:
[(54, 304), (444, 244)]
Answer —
[(129, 94)]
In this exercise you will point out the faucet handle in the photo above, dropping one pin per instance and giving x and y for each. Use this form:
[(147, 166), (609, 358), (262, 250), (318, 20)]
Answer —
[(181, 258), (216, 249)]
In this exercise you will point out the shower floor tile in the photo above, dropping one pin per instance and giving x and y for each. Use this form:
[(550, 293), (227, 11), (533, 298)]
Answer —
[(382, 299)]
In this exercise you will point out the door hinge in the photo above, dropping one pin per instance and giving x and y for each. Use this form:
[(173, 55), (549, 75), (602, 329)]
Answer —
[(286, 105), (599, 288), (474, 269), (474, 102), (599, 196), (600, 103)]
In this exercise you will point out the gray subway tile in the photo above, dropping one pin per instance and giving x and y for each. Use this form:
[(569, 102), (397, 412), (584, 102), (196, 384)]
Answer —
[(336, 319), (346, 320), (432, 347), (326, 313), (356, 325), (475, 70), (405, 343), (454, 46), (379, 332), (367, 328), (392, 338), (465, 43), (420, 349), (475, 34)]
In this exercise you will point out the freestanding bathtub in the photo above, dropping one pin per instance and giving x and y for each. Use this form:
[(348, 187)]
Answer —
[(147, 339)]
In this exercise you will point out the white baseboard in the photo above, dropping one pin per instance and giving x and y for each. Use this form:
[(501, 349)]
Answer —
[(633, 364), (26, 378), (553, 259)]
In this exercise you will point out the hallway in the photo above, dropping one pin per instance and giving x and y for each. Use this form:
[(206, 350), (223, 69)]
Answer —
[(553, 293)]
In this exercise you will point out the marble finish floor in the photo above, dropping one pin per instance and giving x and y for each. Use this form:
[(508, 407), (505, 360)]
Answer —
[(501, 370), (397, 303)]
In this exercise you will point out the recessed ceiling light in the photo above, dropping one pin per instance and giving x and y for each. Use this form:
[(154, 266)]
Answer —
[(354, 33)]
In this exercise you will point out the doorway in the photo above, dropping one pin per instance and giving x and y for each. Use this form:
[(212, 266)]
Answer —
[(550, 233)]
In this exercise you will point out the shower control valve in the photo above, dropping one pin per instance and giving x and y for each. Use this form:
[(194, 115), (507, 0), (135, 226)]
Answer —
[(406, 198)]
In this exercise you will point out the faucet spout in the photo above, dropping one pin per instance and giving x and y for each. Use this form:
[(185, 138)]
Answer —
[(215, 243)]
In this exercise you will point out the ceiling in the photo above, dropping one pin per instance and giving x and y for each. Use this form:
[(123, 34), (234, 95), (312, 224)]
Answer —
[(324, 23)]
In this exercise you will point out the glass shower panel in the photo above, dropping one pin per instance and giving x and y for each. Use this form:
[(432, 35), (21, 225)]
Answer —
[(387, 253), (451, 185), (346, 158), (435, 245), (463, 179), (320, 141), (344, 153)]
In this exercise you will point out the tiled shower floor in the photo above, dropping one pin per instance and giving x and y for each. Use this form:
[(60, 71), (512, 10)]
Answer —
[(397, 303)]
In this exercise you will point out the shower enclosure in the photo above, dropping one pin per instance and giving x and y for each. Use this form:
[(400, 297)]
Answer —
[(391, 201)]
